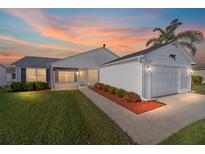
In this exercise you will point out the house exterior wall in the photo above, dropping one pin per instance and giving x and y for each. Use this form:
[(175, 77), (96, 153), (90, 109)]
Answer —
[(160, 57), (126, 75), (3, 81), (200, 72)]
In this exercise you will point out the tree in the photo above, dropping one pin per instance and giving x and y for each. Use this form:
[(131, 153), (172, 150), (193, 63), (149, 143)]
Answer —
[(185, 38)]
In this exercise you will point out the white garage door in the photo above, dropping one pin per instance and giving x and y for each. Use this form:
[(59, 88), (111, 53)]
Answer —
[(125, 75), (164, 80)]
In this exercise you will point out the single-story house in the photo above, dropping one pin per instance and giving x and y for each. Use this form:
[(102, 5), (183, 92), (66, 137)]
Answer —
[(3, 71), (33, 69), (71, 72), (153, 72), (199, 70)]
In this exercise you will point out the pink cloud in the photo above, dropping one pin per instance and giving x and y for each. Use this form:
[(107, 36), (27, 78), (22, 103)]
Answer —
[(84, 33)]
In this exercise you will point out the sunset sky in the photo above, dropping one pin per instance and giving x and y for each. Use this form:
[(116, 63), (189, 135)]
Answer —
[(60, 33)]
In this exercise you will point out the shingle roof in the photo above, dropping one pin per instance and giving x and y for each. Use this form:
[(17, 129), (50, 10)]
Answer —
[(30, 61), (138, 53), (3, 66)]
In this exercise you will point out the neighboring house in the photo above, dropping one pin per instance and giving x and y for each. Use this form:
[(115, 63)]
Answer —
[(3, 71), (71, 72), (11, 75), (199, 70), (153, 72)]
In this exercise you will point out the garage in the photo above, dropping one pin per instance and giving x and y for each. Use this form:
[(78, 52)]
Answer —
[(119, 76), (164, 81), (153, 72)]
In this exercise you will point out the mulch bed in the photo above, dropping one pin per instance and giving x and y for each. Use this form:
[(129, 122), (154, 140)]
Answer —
[(136, 107)]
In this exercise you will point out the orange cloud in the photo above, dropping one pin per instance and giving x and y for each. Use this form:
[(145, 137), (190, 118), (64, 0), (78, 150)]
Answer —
[(47, 46), (84, 34)]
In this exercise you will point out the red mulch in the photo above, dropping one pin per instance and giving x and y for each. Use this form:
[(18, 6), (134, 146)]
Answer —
[(136, 107)]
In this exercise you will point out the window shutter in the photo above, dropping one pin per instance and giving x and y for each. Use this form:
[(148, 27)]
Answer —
[(48, 75), (23, 74)]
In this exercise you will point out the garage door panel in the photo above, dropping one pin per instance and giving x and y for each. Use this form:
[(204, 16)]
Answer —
[(164, 81)]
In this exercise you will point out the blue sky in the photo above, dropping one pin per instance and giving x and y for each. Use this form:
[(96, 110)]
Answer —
[(64, 32)]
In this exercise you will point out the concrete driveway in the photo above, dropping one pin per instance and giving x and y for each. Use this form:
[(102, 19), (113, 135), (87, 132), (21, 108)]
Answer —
[(154, 126)]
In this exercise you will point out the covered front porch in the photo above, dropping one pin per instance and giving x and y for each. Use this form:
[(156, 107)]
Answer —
[(72, 78)]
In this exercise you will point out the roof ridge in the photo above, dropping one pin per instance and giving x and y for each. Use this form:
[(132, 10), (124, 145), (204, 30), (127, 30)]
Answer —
[(87, 51)]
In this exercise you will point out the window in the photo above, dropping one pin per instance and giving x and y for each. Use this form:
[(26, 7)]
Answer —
[(13, 76), (66, 76), (93, 75), (36, 74)]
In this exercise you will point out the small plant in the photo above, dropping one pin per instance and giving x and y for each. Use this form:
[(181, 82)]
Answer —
[(132, 97), (105, 88), (120, 92), (111, 90), (98, 86), (197, 79)]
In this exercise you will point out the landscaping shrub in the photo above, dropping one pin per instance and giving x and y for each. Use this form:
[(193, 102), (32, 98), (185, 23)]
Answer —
[(16, 86), (111, 90), (40, 85), (197, 79), (132, 97), (27, 86), (120, 92), (105, 88), (98, 86)]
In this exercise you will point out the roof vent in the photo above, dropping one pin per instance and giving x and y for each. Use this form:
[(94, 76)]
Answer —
[(104, 45)]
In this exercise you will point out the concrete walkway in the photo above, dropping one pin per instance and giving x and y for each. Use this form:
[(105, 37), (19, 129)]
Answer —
[(154, 126)]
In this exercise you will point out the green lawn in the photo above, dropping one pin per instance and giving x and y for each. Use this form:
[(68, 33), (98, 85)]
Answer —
[(199, 88), (61, 117), (193, 134)]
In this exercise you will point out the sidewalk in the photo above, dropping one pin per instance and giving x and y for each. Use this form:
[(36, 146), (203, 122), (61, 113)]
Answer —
[(141, 130)]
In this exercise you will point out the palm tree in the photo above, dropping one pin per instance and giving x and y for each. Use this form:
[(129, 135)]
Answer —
[(185, 38)]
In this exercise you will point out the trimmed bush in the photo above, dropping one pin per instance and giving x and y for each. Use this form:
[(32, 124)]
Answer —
[(132, 97), (111, 90), (197, 79), (98, 86), (120, 92), (16, 86), (105, 88), (27, 86), (40, 85)]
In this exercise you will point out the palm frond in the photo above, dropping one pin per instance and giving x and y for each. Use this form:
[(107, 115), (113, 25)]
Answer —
[(189, 46), (153, 41), (173, 26), (159, 30), (193, 36)]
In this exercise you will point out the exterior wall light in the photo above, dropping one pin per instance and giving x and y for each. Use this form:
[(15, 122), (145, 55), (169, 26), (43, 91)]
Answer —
[(190, 71), (148, 68)]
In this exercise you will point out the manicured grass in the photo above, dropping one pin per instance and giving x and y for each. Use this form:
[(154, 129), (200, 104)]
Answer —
[(199, 88), (60, 117), (192, 134)]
